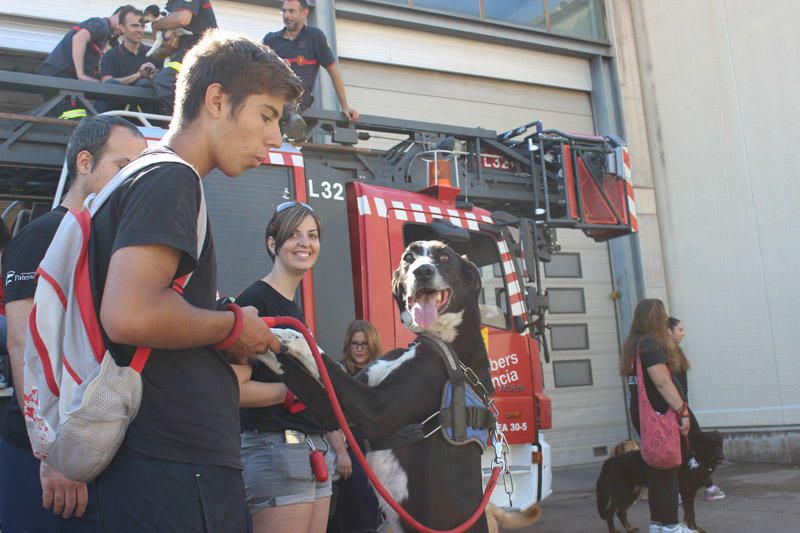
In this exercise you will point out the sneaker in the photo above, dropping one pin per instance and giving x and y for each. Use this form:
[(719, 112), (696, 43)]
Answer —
[(676, 528), (714, 493)]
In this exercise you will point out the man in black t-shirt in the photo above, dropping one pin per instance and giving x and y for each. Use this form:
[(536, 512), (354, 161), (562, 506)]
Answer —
[(127, 63), (306, 49), (195, 16), (179, 465), (98, 148)]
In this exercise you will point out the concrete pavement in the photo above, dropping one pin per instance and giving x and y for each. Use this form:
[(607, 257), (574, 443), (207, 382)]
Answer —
[(760, 497)]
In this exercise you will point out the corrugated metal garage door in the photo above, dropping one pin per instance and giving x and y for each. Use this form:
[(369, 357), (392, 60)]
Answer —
[(583, 379), (588, 405)]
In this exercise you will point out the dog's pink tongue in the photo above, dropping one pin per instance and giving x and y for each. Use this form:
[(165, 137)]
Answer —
[(424, 310)]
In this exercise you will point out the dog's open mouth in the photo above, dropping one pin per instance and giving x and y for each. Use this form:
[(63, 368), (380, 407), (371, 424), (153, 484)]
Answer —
[(427, 304)]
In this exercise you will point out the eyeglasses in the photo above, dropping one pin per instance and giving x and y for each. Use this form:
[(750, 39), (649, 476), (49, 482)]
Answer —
[(286, 205), (358, 345)]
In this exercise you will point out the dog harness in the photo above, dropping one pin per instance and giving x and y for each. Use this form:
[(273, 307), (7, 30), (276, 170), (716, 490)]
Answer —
[(463, 416)]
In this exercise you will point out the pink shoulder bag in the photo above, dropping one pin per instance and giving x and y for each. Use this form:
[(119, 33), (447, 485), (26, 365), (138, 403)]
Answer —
[(661, 436)]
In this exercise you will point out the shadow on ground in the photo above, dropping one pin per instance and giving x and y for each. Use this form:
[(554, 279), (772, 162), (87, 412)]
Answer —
[(760, 497)]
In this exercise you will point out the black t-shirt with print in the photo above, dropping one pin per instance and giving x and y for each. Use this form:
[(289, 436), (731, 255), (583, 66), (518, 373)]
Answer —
[(21, 258), (190, 402), (276, 418), (652, 353), (305, 53)]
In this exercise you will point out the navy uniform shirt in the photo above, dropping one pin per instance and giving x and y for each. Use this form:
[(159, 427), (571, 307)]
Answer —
[(60, 59), (119, 62), (203, 19), (306, 53)]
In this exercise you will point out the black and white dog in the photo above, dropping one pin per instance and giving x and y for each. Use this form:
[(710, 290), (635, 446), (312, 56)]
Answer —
[(438, 483)]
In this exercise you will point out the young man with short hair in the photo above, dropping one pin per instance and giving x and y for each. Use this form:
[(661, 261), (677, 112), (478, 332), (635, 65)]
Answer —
[(36, 497), (127, 63), (179, 466)]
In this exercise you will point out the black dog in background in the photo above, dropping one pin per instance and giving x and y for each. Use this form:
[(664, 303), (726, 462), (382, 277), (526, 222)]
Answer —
[(622, 478)]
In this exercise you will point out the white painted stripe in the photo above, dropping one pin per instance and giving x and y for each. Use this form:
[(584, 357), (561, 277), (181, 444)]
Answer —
[(471, 224), (297, 160), (487, 219), (455, 218), (508, 266), (467, 214), (502, 246), (419, 214), (631, 206), (363, 206), (513, 289), (399, 210), (275, 159), (517, 309), (380, 207), (435, 211)]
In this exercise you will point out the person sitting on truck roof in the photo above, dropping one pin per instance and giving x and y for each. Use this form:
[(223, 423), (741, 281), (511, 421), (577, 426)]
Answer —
[(77, 55), (127, 63), (282, 494), (193, 15), (36, 497), (305, 48), (179, 466)]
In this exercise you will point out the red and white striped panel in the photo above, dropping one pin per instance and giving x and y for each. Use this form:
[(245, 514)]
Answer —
[(417, 212), (515, 294), (286, 159), (626, 160)]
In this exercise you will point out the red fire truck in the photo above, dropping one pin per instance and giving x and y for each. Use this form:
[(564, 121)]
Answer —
[(382, 183)]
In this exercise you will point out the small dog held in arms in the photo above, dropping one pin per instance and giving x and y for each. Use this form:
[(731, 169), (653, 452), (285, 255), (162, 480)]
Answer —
[(624, 474), (166, 42), (427, 460)]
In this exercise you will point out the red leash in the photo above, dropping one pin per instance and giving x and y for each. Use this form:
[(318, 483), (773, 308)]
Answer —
[(337, 410)]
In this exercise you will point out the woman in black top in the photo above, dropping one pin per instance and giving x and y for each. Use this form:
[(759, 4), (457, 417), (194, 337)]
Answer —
[(282, 493), (650, 339), (677, 331), (356, 504)]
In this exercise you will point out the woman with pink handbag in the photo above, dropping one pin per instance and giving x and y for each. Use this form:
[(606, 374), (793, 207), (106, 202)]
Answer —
[(658, 409)]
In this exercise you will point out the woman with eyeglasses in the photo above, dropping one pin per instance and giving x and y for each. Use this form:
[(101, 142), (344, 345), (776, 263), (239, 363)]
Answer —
[(277, 430), (356, 504)]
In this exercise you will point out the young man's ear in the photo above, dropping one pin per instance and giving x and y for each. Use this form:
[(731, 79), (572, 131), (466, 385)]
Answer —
[(215, 100), (83, 162)]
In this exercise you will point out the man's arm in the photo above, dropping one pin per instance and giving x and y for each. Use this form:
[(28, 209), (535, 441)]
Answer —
[(143, 72), (65, 497), (177, 19), (140, 308), (79, 42), (17, 313), (338, 84)]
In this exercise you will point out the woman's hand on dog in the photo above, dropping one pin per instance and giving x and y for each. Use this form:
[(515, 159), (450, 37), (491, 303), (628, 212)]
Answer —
[(255, 338)]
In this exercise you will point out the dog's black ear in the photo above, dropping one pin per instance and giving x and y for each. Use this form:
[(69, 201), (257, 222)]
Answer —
[(398, 289), (471, 274)]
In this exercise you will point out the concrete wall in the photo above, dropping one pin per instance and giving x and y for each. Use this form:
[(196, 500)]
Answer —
[(719, 83)]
